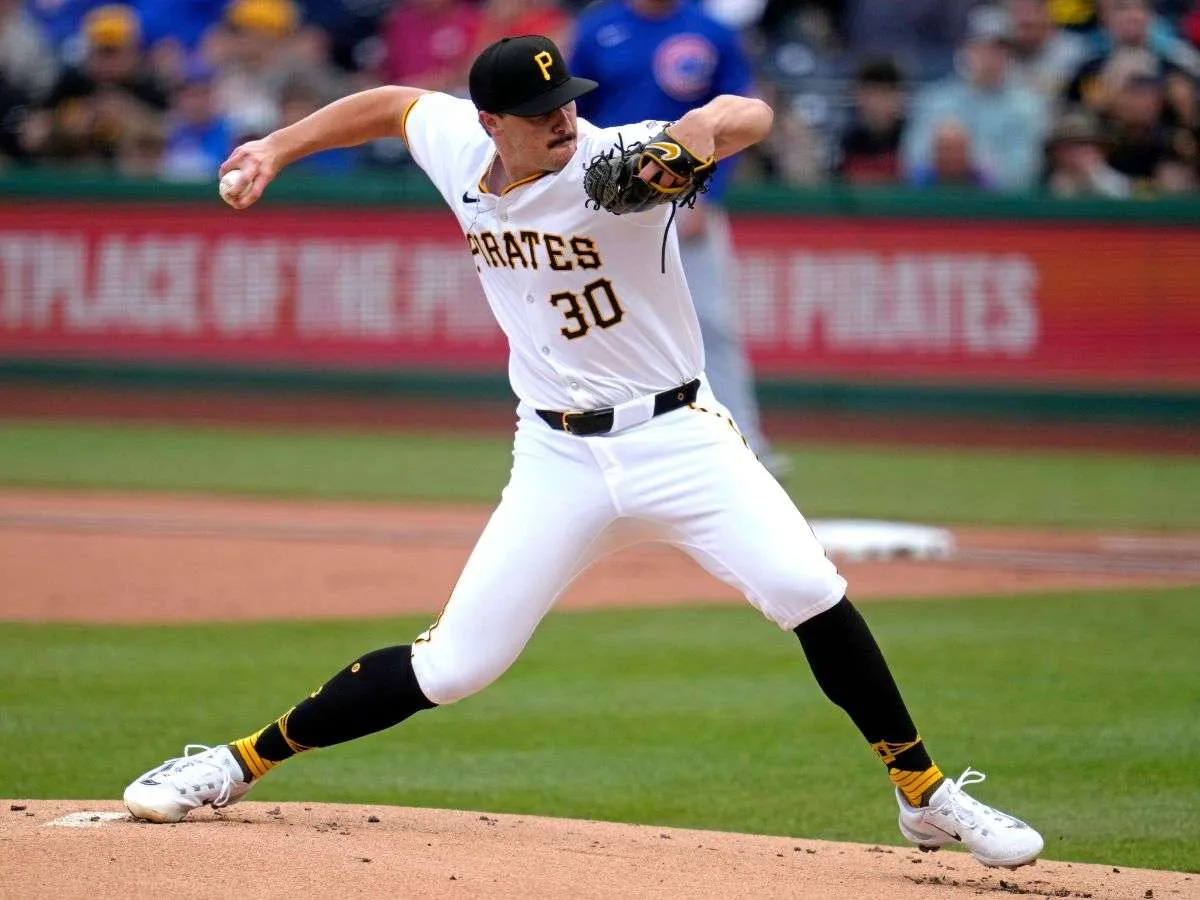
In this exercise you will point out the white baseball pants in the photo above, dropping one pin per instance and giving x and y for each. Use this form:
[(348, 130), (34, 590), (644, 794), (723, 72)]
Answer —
[(686, 478)]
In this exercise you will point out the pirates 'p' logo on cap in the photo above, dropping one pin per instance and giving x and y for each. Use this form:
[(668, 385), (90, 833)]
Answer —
[(503, 81)]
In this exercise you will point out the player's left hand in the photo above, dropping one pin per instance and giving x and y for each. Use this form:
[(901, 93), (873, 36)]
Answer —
[(638, 177)]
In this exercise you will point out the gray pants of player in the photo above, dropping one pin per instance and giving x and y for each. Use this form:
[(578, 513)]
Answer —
[(709, 266)]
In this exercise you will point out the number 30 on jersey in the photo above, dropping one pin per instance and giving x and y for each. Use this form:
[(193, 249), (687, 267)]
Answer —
[(596, 306)]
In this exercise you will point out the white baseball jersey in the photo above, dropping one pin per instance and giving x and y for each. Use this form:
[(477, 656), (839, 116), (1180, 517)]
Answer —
[(582, 332)]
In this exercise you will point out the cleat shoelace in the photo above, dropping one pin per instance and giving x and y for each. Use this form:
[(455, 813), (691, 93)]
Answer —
[(179, 774), (965, 809)]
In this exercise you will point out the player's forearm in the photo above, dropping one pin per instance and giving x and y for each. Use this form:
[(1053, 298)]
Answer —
[(727, 124), (353, 120)]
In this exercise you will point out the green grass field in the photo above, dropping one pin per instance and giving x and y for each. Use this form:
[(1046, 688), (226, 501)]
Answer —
[(1082, 711), (1083, 708), (977, 486)]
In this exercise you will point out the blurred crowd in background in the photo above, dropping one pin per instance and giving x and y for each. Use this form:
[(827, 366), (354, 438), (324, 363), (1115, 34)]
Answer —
[(1070, 97)]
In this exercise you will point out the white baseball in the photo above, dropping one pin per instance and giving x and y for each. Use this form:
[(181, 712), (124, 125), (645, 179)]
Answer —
[(232, 183)]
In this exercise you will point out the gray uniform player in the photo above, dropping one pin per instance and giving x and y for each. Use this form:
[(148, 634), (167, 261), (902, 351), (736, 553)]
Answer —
[(619, 438)]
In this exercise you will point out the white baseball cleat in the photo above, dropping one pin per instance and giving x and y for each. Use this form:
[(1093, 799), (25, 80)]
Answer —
[(994, 838), (211, 777)]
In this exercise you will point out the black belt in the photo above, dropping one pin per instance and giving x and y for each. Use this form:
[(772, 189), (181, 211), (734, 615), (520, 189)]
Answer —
[(600, 421)]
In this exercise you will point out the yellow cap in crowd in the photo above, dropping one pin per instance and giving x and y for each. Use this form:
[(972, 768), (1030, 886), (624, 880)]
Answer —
[(112, 25), (277, 17)]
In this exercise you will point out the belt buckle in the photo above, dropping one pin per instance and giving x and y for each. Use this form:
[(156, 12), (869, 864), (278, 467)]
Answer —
[(566, 425)]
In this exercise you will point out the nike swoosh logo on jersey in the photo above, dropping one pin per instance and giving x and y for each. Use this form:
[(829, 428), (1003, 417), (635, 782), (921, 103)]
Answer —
[(467, 198)]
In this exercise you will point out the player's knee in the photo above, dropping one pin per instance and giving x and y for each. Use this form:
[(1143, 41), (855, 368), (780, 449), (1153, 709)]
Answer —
[(447, 677), (789, 598)]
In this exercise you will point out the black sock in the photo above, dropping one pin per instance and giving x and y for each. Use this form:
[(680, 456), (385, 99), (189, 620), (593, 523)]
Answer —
[(851, 670), (376, 692)]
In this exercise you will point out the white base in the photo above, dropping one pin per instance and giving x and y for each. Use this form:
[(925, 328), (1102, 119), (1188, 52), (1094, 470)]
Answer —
[(867, 539)]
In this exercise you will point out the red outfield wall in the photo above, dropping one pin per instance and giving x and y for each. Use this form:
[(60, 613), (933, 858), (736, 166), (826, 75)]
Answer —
[(961, 302)]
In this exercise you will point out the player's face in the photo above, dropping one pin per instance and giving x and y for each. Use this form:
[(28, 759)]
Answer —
[(537, 143)]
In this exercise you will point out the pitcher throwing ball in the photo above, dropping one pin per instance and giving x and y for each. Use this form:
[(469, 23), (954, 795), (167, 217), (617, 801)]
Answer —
[(618, 440)]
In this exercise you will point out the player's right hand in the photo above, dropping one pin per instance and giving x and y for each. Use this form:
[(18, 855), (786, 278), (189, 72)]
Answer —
[(259, 165)]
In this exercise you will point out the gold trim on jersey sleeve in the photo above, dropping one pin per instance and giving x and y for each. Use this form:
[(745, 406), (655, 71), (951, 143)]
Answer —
[(404, 116)]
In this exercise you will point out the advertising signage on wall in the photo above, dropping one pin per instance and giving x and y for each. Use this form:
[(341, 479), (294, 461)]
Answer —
[(935, 301)]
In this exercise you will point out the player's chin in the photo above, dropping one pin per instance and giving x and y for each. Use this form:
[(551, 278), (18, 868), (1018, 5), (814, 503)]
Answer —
[(560, 154)]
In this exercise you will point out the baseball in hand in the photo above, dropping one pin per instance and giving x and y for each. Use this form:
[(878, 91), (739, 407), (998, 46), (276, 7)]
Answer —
[(233, 183)]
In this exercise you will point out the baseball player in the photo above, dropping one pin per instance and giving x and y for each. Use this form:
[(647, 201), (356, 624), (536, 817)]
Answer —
[(619, 438)]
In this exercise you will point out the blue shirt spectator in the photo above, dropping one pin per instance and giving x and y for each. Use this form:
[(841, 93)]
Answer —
[(656, 64), (1004, 120), (186, 21), (198, 137)]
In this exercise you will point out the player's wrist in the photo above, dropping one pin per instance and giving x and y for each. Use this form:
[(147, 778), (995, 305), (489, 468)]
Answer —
[(283, 148), (695, 132)]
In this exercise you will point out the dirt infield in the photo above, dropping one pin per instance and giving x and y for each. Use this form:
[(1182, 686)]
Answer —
[(339, 851), (151, 558), (141, 558)]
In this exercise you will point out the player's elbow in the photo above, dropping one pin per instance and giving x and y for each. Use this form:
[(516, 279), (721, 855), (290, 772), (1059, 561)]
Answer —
[(743, 121), (753, 117), (764, 117)]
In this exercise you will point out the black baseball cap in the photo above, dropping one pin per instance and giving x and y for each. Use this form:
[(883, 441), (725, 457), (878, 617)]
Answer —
[(524, 76)]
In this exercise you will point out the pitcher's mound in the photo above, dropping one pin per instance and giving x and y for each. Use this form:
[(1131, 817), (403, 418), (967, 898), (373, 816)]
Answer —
[(77, 848)]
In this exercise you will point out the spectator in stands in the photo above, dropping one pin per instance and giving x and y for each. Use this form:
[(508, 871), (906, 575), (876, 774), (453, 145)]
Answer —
[(90, 107), (62, 21), (952, 160), (198, 137), (28, 69), (253, 54), (657, 59), (27, 62), (505, 18), (1076, 165), (1045, 57), (1005, 122), (870, 148), (184, 22), (351, 30), (300, 97), (1075, 15), (920, 34), (1126, 31), (1161, 35), (175, 31), (1158, 157), (140, 149), (428, 43)]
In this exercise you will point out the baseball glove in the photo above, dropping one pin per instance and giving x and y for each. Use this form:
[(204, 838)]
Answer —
[(612, 180)]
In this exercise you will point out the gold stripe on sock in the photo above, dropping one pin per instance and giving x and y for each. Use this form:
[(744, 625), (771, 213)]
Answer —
[(244, 748), (913, 785), (888, 752), (282, 723)]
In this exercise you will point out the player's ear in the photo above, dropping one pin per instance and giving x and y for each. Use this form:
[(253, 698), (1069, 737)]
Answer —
[(488, 121)]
